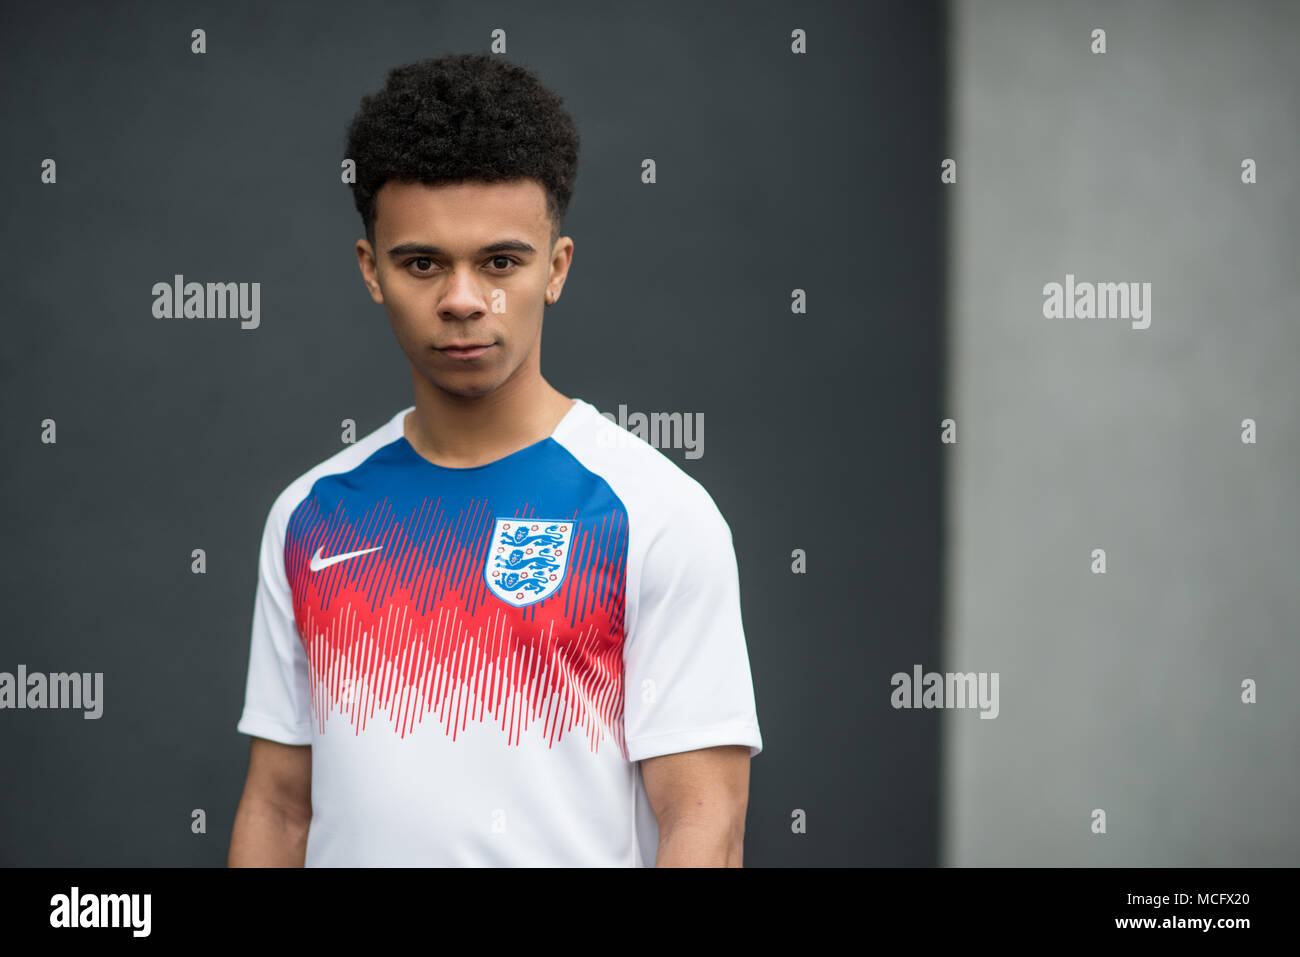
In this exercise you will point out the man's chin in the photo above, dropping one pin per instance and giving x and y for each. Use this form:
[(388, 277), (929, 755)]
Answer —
[(466, 386), (473, 380)]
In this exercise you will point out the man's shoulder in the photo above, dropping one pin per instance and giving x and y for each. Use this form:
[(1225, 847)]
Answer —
[(646, 480)]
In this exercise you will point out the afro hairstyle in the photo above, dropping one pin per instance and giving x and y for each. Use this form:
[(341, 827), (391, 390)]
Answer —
[(463, 116)]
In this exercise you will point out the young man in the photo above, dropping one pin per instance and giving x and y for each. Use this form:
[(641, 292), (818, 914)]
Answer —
[(486, 634)]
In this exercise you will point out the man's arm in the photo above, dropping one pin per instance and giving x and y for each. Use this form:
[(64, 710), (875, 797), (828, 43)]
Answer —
[(273, 815), (699, 798)]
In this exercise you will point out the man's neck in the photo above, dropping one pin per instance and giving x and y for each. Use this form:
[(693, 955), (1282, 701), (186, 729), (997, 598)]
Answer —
[(455, 432)]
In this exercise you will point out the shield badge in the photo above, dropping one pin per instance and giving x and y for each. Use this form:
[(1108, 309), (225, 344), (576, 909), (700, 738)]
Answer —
[(527, 559)]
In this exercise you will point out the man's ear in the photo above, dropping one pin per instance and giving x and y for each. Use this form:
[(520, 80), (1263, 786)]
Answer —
[(369, 270)]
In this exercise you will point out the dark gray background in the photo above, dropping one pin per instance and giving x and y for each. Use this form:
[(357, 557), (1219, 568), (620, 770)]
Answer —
[(776, 172)]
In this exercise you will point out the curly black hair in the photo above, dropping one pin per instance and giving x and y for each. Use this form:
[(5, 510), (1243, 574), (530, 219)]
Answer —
[(463, 116)]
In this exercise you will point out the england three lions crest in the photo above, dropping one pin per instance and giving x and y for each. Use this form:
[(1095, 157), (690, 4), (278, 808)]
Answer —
[(527, 559)]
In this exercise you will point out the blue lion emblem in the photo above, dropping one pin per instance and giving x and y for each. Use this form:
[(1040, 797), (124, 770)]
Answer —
[(527, 558)]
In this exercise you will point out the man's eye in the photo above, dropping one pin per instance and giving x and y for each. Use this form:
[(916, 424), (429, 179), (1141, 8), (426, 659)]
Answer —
[(500, 263)]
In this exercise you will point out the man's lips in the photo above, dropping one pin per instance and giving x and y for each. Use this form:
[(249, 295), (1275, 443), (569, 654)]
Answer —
[(466, 350)]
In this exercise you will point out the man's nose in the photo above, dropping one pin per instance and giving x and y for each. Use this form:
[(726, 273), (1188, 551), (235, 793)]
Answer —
[(464, 294)]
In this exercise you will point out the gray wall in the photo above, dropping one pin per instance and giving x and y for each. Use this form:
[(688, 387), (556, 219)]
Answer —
[(1122, 691)]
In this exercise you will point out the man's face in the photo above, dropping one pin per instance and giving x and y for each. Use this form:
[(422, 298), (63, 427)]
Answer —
[(465, 264)]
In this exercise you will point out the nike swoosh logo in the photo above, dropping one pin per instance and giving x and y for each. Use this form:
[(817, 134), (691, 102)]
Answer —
[(317, 563)]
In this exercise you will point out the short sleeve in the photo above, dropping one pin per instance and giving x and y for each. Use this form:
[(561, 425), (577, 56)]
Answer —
[(686, 667), (277, 697)]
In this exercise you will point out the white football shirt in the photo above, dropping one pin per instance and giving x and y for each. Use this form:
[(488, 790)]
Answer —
[(479, 657)]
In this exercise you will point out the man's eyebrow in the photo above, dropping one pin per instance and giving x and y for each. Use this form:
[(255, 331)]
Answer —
[(425, 249)]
